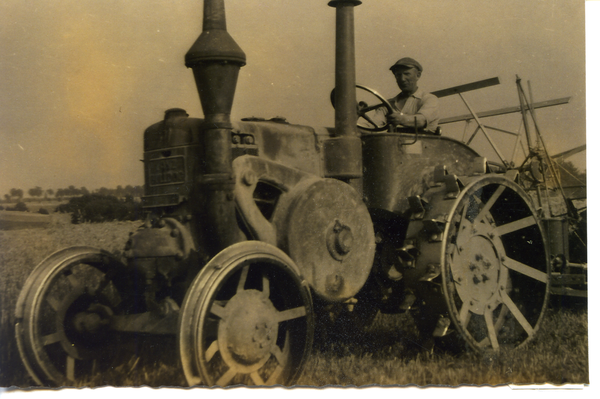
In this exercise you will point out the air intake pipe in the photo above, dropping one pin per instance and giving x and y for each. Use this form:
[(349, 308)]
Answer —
[(216, 59)]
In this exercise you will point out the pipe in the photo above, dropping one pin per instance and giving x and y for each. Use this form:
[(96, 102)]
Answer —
[(215, 59), (343, 153)]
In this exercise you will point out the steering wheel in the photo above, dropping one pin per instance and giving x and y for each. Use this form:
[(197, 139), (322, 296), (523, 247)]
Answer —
[(370, 117)]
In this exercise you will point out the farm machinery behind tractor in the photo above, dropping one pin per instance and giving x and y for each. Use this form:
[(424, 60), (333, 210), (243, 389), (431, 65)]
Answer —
[(256, 228)]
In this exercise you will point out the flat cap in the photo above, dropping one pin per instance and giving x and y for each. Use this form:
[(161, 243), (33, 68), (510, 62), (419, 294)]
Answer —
[(407, 62)]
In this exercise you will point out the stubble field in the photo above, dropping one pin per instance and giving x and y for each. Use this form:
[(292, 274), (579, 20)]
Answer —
[(385, 355)]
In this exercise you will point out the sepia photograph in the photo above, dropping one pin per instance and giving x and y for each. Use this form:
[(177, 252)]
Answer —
[(280, 193)]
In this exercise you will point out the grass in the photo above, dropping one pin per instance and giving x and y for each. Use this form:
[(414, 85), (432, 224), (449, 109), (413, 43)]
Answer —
[(557, 355), (386, 355)]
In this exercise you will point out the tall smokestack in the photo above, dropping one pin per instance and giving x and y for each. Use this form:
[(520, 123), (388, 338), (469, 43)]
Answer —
[(344, 153), (216, 59)]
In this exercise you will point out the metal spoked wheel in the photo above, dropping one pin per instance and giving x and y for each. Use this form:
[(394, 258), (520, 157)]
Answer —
[(496, 271), (247, 319), (63, 314)]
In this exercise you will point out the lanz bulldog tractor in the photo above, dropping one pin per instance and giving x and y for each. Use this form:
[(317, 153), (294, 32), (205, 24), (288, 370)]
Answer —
[(256, 228)]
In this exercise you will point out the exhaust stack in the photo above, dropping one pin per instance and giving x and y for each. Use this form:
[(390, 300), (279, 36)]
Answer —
[(343, 154), (216, 59)]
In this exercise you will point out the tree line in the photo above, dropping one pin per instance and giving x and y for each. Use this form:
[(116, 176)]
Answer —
[(17, 194)]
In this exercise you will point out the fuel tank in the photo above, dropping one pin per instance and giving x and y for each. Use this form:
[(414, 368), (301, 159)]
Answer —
[(397, 166)]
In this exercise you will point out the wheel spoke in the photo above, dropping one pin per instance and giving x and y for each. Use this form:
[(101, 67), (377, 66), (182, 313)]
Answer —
[(218, 310), (514, 226), (526, 270), (225, 378), (501, 317), (490, 203), (281, 357), (75, 282), (256, 378), (194, 380), (291, 314), (266, 289), (70, 368), (276, 351), (212, 349), (51, 338), (516, 313), (243, 277), (464, 226), (106, 279), (464, 315), (489, 322), (275, 375), (53, 302)]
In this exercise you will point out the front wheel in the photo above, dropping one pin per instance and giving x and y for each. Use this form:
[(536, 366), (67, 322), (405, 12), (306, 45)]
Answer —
[(247, 319), (63, 316)]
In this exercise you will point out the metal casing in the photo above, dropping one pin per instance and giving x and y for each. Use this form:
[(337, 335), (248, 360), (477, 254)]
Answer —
[(398, 166)]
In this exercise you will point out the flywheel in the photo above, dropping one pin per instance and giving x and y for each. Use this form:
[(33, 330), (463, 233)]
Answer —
[(326, 228)]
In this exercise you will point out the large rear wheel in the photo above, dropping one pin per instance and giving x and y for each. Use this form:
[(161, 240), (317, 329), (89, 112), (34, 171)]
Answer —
[(495, 277), (247, 319)]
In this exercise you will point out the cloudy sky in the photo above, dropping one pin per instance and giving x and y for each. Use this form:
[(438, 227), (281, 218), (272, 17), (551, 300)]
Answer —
[(80, 80)]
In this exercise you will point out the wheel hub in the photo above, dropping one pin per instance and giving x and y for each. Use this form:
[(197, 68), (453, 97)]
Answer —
[(249, 332), (478, 273)]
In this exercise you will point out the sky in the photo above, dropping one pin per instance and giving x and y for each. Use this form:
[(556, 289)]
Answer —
[(80, 80)]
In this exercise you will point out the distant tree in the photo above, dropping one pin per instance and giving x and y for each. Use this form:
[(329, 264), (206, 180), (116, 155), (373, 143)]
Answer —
[(138, 191), (60, 193), (73, 191), (96, 208), (84, 191), (16, 192), (35, 192), (7, 197), (49, 192), (20, 207), (128, 190), (570, 174)]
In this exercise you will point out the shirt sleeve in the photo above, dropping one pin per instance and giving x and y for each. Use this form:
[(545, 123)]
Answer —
[(430, 110)]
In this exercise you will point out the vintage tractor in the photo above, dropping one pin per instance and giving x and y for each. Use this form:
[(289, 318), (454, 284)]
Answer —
[(257, 228)]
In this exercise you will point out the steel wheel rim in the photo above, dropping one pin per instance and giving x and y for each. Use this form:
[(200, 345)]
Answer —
[(496, 287), (50, 332), (215, 349)]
